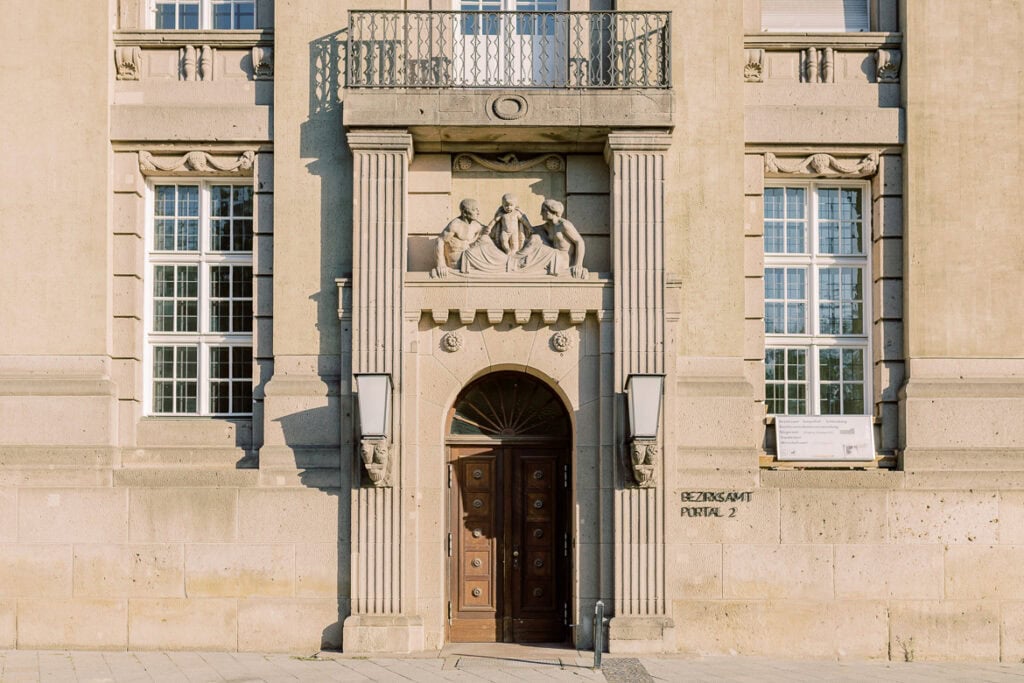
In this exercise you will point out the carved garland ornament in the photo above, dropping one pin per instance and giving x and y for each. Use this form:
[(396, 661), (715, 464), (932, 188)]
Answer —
[(507, 163), (822, 165), (196, 162)]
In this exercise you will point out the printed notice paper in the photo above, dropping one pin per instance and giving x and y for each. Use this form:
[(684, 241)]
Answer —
[(824, 437)]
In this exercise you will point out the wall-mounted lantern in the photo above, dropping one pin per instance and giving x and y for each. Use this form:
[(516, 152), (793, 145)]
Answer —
[(643, 402), (373, 393)]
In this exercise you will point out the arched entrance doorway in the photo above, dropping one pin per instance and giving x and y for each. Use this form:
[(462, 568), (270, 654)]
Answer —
[(508, 443)]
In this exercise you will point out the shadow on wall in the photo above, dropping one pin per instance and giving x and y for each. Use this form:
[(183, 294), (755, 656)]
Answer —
[(327, 468)]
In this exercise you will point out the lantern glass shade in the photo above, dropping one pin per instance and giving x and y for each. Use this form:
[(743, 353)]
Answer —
[(643, 397), (374, 394)]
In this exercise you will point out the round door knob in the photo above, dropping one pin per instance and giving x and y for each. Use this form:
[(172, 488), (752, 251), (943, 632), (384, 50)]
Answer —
[(515, 553), (538, 504), (476, 592), (477, 562)]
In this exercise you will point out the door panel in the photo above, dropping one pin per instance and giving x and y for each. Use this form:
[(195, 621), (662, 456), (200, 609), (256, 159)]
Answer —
[(536, 598), (475, 527), (508, 566)]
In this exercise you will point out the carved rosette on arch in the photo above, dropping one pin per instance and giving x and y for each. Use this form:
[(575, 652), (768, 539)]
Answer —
[(643, 455), (451, 341), (824, 165), (561, 342), (376, 454)]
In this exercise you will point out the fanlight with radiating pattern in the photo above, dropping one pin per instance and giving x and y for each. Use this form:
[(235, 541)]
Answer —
[(509, 404)]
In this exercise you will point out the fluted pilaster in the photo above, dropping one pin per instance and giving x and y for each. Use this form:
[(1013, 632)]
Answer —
[(380, 171), (637, 162)]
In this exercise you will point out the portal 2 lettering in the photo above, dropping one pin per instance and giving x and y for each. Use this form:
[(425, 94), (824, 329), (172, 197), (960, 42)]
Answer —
[(712, 497)]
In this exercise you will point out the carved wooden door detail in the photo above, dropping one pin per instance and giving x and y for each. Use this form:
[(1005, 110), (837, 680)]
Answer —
[(509, 549)]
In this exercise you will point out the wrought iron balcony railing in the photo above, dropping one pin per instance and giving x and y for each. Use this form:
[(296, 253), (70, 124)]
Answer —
[(409, 49)]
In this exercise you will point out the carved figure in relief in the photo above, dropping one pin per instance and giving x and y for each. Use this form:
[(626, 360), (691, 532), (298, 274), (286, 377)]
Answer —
[(456, 238), (555, 246), (513, 228)]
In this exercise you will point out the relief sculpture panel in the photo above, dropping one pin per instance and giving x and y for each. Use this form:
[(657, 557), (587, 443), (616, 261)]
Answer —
[(510, 243)]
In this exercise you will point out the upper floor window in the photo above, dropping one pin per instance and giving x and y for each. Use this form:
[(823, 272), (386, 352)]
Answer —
[(818, 16), (816, 299), (204, 14), (199, 307)]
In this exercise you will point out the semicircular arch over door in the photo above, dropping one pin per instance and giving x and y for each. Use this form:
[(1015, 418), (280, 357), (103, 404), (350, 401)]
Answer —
[(509, 437)]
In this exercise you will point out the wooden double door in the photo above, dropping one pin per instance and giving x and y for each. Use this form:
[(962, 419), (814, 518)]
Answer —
[(508, 546)]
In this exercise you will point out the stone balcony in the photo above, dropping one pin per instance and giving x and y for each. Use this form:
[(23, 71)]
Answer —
[(524, 78)]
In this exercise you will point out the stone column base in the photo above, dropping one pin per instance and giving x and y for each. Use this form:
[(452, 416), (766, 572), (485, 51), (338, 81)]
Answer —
[(641, 635), (371, 633)]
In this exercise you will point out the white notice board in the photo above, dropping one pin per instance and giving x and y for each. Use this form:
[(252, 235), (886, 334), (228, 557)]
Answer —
[(824, 437)]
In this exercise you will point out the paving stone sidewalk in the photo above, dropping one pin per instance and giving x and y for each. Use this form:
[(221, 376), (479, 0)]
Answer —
[(534, 664)]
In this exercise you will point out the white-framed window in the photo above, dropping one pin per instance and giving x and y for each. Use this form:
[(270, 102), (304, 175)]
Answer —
[(818, 16), (817, 298), (170, 15), (199, 303)]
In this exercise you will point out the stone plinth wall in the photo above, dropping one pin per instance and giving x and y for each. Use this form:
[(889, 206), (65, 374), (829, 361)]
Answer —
[(861, 565), (98, 558)]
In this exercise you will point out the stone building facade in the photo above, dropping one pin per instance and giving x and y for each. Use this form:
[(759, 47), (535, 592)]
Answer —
[(223, 219)]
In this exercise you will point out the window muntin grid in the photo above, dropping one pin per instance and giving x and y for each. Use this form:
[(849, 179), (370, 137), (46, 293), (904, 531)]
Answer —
[(233, 14), (230, 379), (817, 318), (175, 379), (172, 15), (200, 310)]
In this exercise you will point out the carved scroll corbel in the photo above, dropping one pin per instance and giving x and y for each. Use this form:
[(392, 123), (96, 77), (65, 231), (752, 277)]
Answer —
[(753, 72), (376, 455), (887, 65), (128, 62), (643, 455), (262, 63)]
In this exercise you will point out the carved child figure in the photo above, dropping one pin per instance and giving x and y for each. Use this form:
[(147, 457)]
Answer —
[(513, 228)]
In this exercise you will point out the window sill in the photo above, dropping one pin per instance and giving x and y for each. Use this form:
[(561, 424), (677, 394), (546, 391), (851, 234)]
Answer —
[(885, 460), (843, 41), (171, 39)]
